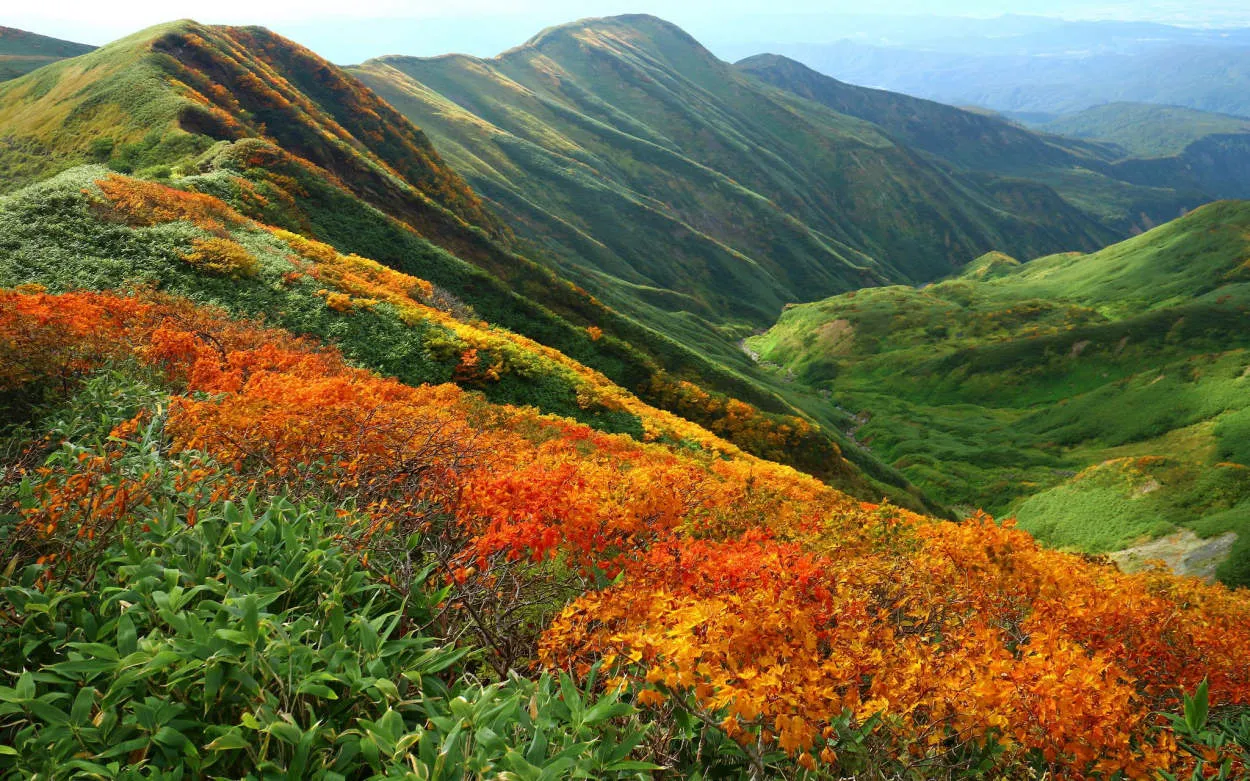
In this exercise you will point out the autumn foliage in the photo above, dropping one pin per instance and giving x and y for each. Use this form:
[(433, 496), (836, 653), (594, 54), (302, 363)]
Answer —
[(747, 594)]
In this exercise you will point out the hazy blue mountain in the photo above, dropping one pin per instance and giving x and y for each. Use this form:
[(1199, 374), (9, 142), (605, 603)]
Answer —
[(1030, 65)]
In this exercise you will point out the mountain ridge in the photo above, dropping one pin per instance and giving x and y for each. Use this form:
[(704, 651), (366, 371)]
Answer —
[(294, 141), (452, 98)]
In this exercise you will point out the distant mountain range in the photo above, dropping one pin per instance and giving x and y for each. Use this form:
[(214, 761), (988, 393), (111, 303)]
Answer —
[(758, 191), (604, 409), (1039, 67)]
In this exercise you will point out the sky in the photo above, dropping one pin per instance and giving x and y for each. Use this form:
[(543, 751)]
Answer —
[(348, 32)]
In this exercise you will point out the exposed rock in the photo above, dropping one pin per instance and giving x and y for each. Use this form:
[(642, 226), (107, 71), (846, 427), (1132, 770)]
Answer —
[(1183, 552)]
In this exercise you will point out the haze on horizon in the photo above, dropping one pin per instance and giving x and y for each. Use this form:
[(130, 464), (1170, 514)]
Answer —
[(368, 28)]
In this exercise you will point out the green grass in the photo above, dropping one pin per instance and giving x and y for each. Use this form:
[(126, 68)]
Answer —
[(1009, 386), (1118, 503)]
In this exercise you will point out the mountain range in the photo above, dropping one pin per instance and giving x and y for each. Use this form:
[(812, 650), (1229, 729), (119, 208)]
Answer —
[(1045, 73), (364, 421)]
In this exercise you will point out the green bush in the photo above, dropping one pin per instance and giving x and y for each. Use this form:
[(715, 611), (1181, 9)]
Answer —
[(1233, 436), (249, 645)]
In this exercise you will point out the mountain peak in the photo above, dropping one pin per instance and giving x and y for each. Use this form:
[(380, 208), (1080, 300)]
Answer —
[(644, 30)]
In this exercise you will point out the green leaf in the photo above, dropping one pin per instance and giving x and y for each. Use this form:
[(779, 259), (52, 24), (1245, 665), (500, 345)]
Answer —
[(127, 636), (233, 636), (47, 713), (633, 764), (25, 686), (556, 769), (96, 650), (251, 617), (1197, 707), (171, 738), (84, 701), (285, 731), (317, 690), (230, 741)]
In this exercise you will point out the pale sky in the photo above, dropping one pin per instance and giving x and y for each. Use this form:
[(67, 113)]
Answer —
[(357, 29)]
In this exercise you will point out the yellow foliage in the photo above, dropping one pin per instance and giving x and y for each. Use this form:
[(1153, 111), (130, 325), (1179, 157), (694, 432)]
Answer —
[(222, 256)]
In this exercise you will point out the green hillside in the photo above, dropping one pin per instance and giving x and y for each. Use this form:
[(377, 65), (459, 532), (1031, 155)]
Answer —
[(978, 141), (1170, 145), (334, 449), (1090, 175), (21, 52), (1145, 129), (287, 139), (674, 186), (1002, 387)]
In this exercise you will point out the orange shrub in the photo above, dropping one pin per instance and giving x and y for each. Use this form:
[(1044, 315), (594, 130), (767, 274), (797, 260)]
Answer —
[(222, 256), (761, 598), (141, 203)]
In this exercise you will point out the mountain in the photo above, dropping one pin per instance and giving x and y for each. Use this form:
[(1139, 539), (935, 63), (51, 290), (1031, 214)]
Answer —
[(1097, 397), (1118, 190), (1208, 75), (1144, 129), (1169, 144), (595, 138), (290, 140), (21, 52), (312, 466), (970, 140)]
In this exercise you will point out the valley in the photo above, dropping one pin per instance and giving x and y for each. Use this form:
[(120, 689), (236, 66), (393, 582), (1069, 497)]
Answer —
[(605, 409)]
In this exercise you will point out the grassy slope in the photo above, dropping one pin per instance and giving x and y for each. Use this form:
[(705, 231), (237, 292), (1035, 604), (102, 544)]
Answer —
[(1018, 163), (1002, 387), (296, 142), (1170, 145), (21, 52), (1144, 129), (595, 137)]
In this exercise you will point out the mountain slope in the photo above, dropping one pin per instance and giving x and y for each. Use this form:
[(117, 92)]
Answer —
[(1208, 76), (21, 52), (1089, 175), (1014, 379), (595, 135), (970, 140), (289, 140), (158, 97), (207, 510), (1145, 129), (1170, 144)]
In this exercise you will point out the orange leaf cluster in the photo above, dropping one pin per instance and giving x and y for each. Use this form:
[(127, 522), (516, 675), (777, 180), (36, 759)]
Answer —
[(141, 203), (771, 601)]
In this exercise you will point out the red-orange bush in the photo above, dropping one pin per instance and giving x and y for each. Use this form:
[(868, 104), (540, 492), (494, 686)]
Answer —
[(761, 598)]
